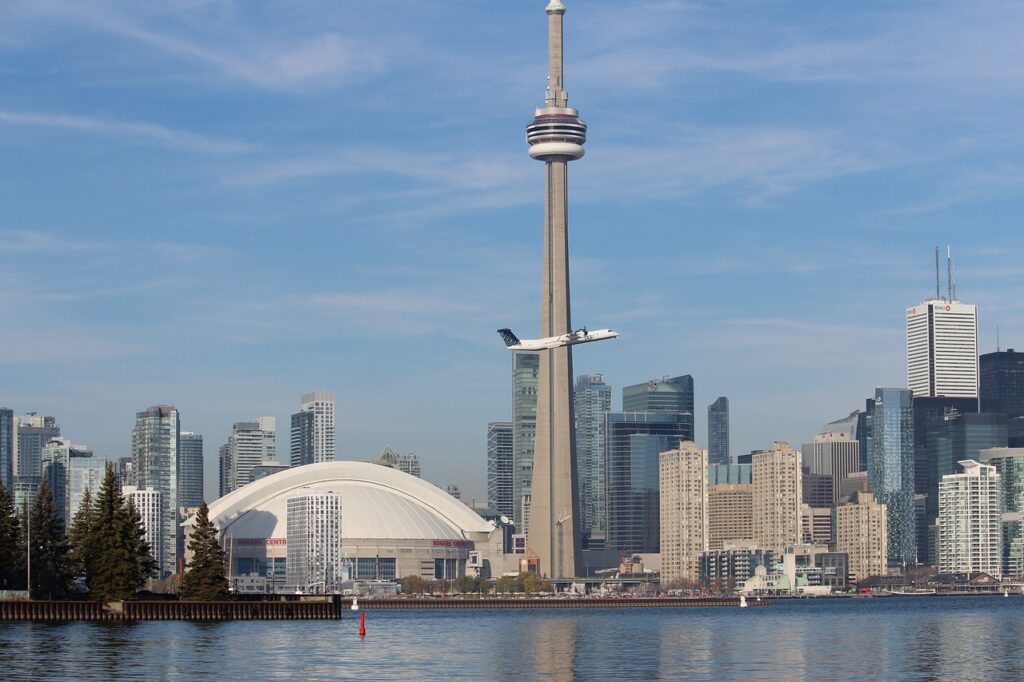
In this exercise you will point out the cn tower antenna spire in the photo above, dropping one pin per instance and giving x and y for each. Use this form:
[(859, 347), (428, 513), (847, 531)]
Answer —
[(556, 87)]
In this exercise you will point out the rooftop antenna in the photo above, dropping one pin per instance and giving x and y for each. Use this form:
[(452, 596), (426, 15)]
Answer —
[(936, 272), (949, 273), (954, 280), (997, 338)]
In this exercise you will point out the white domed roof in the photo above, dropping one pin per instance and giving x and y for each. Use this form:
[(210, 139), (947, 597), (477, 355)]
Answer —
[(376, 502)]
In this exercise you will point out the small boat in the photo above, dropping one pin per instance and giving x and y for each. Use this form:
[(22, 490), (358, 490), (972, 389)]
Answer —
[(910, 592)]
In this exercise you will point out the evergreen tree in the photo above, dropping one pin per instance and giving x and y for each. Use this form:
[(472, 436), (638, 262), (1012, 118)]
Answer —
[(12, 565), (51, 575), (204, 578), (80, 537), (114, 568)]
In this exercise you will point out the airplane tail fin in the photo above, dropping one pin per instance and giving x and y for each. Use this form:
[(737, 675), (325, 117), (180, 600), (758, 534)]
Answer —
[(508, 337)]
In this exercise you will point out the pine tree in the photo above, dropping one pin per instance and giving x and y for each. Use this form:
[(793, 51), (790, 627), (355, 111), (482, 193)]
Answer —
[(12, 565), (80, 537), (51, 575), (204, 578), (115, 569)]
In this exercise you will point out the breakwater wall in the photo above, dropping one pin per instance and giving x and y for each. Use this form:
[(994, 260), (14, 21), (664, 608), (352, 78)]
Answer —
[(552, 603)]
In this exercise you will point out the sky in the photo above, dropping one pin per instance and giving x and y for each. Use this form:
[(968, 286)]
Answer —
[(222, 205)]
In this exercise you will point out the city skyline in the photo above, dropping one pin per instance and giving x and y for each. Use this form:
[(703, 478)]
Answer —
[(239, 172)]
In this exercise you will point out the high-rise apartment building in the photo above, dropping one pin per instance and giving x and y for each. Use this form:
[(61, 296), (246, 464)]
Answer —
[(593, 401), (314, 542), (34, 432), (777, 498), (1009, 464), (718, 431), (68, 471), (832, 454), (8, 448), (683, 476), (500, 469), (970, 520), (891, 469), (313, 432), (250, 444), (408, 463), (634, 442), (816, 525), (148, 502), (525, 368), (862, 532), (190, 476), (942, 349), (1002, 382), (85, 474), (663, 395), (156, 460), (730, 514)]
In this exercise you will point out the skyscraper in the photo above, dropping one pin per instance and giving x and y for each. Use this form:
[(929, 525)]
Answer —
[(314, 542), (250, 444), (525, 368), (634, 442), (556, 136), (862, 532), (593, 402), (151, 508), (155, 458), (190, 478), (1002, 382), (777, 497), (970, 520), (34, 432), (313, 434), (942, 349), (408, 463), (69, 470), (891, 469), (499, 468), (8, 448), (718, 431), (832, 454), (730, 513), (663, 395), (683, 477)]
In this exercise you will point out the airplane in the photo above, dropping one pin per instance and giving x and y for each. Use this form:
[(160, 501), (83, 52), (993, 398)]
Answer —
[(512, 342)]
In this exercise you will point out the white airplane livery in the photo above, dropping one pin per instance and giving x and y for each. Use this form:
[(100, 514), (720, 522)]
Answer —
[(512, 342)]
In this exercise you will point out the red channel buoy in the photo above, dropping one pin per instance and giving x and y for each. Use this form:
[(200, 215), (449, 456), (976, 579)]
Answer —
[(362, 623)]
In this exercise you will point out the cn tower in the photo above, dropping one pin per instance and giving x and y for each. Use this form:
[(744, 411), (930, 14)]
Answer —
[(556, 136)]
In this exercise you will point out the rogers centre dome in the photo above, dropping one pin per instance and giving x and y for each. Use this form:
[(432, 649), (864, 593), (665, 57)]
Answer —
[(392, 524)]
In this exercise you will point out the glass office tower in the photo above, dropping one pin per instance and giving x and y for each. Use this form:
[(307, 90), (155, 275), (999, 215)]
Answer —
[(891, 469)]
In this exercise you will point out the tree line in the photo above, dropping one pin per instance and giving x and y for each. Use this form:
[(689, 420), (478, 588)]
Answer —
[(103, 551)]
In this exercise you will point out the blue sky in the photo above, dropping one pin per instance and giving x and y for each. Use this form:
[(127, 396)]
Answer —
[(223, 205)]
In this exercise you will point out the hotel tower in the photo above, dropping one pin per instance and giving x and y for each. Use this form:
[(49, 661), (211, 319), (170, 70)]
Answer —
[(556, 136)]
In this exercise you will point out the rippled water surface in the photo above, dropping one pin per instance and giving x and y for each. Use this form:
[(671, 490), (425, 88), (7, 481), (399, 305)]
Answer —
[(923, 638)]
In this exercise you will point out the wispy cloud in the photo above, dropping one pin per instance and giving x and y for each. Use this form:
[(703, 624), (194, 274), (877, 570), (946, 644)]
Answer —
[(146, 132)]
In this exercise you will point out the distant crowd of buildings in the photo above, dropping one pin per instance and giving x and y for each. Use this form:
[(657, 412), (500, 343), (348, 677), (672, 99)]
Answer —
[(927, 475)]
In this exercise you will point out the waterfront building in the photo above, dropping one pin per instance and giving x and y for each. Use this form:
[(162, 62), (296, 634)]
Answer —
[(593, 401), (730, 514), (634, 442), (408, 463), (1002, 383), (833, 455), (891, 470), (500, 469), (719, 474), (663, 395), (314, 547), (34, 432), (970, 520), (190, 476), (816, 525), (313, 431), (732, 565), (942, 349), (8, 447), (683, 476), (394, 525), (251, 444), (148, 502), (777, 497), (718, 431), (525, 368), (155, 458)]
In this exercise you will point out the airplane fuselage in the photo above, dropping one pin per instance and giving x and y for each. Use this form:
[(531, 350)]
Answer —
[(570, 339)]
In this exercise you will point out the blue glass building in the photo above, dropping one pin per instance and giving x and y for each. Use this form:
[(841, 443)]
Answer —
[(891, 469)]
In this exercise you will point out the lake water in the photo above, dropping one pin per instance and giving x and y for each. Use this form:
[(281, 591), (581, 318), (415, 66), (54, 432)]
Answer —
[(923, 638)]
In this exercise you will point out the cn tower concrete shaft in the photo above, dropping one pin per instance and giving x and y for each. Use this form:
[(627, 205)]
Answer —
[(556, 136)]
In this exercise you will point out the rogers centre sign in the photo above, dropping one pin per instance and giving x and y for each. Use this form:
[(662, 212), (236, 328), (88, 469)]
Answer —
[(259, 542), (451, 543)]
